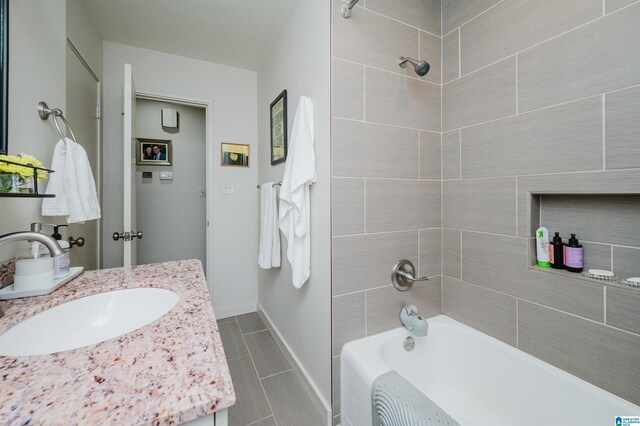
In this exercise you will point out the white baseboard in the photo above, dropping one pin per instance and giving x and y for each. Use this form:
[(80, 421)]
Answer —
[(312, 388), (232, 311)]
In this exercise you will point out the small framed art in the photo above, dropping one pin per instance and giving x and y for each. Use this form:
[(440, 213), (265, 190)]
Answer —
[(234, 154), (154, 152), (279, 128)]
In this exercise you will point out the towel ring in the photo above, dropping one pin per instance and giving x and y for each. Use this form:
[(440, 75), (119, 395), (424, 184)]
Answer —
[(44, 112)]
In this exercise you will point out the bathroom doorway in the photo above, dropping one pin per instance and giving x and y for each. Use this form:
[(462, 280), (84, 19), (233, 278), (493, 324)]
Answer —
[(83, 110), (171, 196)]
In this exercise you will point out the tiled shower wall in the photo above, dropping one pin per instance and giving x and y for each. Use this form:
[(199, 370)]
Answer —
[(386, 160), (541, 124)]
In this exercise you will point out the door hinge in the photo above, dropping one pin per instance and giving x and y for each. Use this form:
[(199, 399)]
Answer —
[(98, 112)]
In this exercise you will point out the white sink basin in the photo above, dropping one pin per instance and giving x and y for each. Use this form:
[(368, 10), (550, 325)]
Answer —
[(87, 321)]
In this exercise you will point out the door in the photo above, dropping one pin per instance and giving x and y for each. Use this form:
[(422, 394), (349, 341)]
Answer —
[(83, 100), (130, 232)]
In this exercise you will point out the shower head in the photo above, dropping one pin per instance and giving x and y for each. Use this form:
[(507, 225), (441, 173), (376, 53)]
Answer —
[(421, 67)]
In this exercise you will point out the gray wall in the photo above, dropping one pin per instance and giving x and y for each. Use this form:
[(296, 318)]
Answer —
[(37, 43), (171, 213), (386, 166), (299, 62), (538, 99)]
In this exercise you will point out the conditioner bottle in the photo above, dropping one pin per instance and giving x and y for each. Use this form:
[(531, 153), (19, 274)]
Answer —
[(573, 255), (556, 252)]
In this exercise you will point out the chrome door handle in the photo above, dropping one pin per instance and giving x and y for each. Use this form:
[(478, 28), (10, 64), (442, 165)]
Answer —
[(77, 242), (403, 275), (126, 236)]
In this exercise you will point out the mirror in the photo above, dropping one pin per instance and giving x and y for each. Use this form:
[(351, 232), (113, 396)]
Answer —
[(4, 73)]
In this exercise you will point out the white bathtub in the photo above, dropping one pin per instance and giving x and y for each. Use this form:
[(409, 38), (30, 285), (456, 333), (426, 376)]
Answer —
[(476, 379)]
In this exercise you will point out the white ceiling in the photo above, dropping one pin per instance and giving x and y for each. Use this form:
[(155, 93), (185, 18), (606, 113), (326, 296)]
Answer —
[(232, 32)]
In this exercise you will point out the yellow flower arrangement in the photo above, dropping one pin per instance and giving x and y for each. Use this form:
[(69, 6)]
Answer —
[(24, 172)]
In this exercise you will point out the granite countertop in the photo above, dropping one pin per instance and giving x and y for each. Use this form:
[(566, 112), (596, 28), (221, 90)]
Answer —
[(170, 371)]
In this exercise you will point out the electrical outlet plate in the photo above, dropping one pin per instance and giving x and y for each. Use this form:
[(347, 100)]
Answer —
[(228, 188)]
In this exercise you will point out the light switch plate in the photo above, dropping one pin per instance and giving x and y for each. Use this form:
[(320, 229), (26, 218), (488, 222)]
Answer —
[(228, 188), (166, 175)]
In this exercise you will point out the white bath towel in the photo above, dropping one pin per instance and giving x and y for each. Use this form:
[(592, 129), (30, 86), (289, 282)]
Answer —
[(299, 173), (269, 253), (72, 184)]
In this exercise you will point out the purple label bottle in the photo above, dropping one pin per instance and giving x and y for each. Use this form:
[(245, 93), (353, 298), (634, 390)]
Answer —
[(574, 255)]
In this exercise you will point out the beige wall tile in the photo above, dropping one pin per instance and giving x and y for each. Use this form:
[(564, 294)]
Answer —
[(582, 63), (430, 252), (348, 314), (396, 205), (384, 304), (335, 385), (583, 348), (401, 101), (482, 96), (612, 219), (451, 155), (430, 158), (348, 206), (347, 89), (565, 138), (596, 256), (374, 150), (623, 129), (626, 261), (451, 252), (457, 12), (371, 39), (486, 205), (622, 309), (424, 14), (450, 57), (496, 262), (513, 26), (365, 261), (613, 5), (613, 182), (485, 310), (431, 51), (567, 294)]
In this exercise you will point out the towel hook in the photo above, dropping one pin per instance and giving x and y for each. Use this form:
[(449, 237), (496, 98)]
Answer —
[(45, 112)]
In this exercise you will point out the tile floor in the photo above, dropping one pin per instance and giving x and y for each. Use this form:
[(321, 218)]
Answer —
[(268, 391)]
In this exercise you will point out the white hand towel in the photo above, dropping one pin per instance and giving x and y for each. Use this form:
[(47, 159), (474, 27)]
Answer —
[(299, 173), (72, 184), (269, 254)]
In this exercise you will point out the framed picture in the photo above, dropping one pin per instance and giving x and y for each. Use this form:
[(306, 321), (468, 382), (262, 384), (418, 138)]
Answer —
[(279, 129), (154, 152), (4, 74), (234, 154)]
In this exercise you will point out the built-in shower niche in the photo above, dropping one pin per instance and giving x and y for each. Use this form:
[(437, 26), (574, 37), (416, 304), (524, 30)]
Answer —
[(607, 225)]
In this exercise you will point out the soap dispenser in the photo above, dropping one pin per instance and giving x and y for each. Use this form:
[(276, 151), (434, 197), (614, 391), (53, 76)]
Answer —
[(60, 263), (556, 252), (573, 255)]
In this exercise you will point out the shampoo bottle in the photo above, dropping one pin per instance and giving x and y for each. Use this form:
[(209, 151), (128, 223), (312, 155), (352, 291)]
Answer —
[(542, 247), (573, 255), (556, 252)]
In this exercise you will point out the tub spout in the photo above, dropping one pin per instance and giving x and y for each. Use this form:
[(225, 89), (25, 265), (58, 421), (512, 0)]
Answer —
[(416, 324)]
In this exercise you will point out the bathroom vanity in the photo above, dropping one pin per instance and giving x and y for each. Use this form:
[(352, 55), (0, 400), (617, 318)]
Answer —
[(172, 370)]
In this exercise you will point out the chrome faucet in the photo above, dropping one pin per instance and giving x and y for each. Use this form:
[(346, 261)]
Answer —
[(33, 235)]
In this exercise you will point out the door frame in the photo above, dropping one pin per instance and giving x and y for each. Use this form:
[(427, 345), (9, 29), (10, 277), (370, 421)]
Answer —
[(209, 164), (98, 171)]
